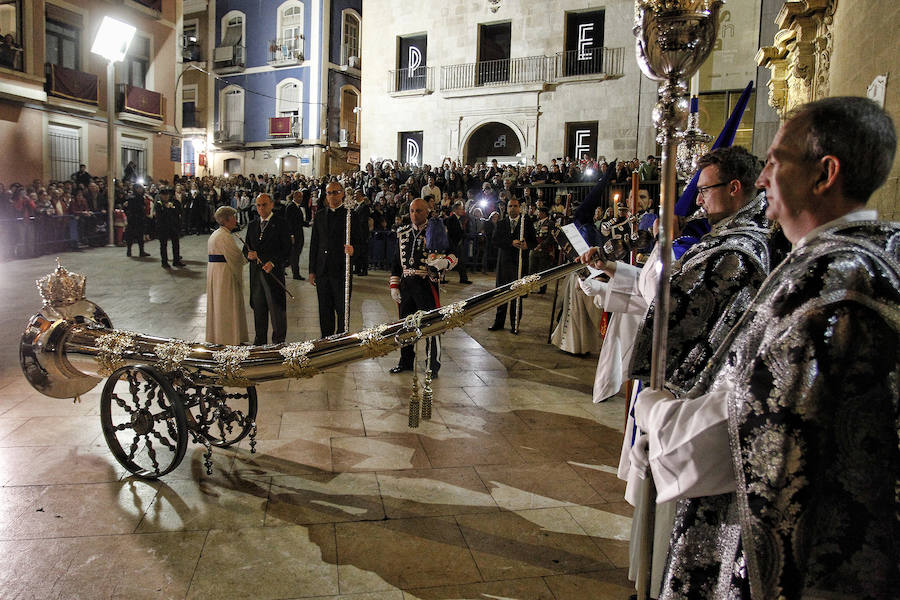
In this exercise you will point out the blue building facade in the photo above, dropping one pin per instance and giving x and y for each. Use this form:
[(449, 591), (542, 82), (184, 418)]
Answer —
[(273, 105)]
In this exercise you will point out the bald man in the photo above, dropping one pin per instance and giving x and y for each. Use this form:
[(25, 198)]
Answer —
[(268, 248), (413, 285)]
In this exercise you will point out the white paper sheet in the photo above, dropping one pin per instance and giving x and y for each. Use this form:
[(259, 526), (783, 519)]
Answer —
[(579, 244)]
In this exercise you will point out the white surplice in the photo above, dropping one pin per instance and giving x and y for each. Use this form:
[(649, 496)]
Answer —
[(226, 317)]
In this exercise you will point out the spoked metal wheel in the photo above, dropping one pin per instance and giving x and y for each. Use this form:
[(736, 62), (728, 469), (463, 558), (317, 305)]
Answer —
[(143, 421), (224, 416)]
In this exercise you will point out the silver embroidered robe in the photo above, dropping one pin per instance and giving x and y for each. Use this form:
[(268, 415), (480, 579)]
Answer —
[(814, 372), (711, 286)]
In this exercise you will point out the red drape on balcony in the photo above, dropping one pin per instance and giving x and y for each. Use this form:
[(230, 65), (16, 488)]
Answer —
[(279, 126), (73, 85), (143, 102)]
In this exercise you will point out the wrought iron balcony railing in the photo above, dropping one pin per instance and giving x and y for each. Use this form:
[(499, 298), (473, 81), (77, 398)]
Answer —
[(507, 71), (229, 59), (286, 51), (608, 62), (229, 132), (593, 61), (404, 80)]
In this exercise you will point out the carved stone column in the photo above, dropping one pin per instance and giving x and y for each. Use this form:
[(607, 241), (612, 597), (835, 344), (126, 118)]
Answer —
[(800, 58)]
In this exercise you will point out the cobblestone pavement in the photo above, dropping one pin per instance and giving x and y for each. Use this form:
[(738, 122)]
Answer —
[(508, 492)]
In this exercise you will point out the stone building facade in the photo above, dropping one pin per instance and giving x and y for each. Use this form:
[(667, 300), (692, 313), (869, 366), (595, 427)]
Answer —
[(533, 81), (836, 48)]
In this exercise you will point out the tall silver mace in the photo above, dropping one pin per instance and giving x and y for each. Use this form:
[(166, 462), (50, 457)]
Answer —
[(349, 203), (517, 305), (673, 38)]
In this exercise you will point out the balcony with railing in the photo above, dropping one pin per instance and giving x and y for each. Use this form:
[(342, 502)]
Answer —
[(598, 63), (289, 128), (411, 81), (506, 71), (191, 50), (229, 59), (139, 105), (286, 52), (602, 63), (229, 133), (71, 84)]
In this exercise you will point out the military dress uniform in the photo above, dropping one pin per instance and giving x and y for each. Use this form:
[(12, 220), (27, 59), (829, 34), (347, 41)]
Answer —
[(418, 285)]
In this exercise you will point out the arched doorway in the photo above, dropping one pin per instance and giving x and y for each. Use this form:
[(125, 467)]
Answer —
[(232, 166), (491, 140)]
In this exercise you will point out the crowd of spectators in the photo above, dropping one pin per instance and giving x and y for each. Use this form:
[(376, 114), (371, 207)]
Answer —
[(40, 218)]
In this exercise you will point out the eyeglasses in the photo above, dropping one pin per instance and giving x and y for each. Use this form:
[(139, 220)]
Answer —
[(701, 191)]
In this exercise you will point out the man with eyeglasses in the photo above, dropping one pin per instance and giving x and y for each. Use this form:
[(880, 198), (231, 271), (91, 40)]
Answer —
[(327, 250), (711, 286), (794, 421)]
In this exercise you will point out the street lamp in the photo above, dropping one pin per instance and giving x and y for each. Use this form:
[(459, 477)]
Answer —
[(113, 38)]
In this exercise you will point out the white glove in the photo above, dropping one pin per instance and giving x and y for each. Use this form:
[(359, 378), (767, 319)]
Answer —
[(592, 287), (395, 294), (645, 402), (640, 461), (438, 263)]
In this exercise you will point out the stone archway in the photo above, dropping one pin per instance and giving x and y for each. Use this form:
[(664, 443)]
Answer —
[(491, 139)]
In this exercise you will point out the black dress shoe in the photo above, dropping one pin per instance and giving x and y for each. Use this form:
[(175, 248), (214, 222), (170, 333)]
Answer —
[(465, 282), (178, 263), (514, 331), (495, 327), (400, 369), (144, 254), (165, 265)]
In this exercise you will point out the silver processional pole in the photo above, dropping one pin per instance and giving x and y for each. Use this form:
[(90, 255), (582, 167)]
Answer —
[(673, 38), (349, 204)]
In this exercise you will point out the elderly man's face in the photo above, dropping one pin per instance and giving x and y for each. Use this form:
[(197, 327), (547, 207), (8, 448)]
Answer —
[(264, 206), (334, 194), (418, 212)]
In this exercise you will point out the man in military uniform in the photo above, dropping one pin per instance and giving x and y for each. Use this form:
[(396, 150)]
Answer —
[(544, 254), (168, 226), (414, 286)]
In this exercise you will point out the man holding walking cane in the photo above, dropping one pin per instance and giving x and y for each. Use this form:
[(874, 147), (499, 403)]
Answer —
[(268, 248)]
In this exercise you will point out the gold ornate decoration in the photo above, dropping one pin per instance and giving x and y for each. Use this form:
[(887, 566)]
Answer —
[(799, 59), (296, 359), (61, 287), (455, 314), (229, 367), (526, 284), (414, 321), (111, 348), (414, 402), (171, 354), (375, 342)]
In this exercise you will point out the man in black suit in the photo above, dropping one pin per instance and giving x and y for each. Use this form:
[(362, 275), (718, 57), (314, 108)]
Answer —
[(457, 223), (293, 214), (510, 247), (268, 247), (327, 249)]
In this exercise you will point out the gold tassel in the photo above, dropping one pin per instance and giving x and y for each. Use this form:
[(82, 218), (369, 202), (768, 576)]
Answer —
[(414, 400), (427, 392)]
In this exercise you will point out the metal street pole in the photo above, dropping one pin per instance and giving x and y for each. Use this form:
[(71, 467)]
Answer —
[(110, 148)]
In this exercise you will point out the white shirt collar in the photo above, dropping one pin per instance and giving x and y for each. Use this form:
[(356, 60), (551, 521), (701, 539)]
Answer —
[(862, 214)]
